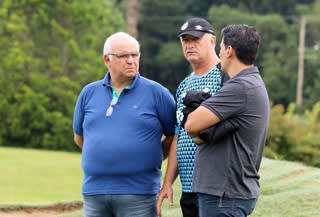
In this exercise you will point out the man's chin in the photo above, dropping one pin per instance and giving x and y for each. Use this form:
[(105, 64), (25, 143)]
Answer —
[(131, 74), (193, 60)]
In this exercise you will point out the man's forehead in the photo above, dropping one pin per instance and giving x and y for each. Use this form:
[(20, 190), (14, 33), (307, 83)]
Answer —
[(124, 44)]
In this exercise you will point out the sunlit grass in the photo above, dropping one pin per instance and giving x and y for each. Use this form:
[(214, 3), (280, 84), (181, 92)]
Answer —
[(39, 176)]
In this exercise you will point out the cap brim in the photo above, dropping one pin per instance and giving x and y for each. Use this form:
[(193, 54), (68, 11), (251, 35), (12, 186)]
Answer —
[(197, 34)]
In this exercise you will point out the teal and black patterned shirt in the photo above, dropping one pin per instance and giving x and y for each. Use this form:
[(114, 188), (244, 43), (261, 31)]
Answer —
[(186, 148)]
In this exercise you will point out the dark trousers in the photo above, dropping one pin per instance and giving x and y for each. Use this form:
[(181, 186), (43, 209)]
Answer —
[(189, 204)]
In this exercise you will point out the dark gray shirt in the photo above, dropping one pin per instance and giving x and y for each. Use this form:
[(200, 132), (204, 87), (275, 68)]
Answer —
[(230, 167)]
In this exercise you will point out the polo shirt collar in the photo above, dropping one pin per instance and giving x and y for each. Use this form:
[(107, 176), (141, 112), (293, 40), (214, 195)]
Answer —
[(248, 71)]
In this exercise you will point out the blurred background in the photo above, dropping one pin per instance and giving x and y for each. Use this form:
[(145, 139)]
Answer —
[(50, 49)]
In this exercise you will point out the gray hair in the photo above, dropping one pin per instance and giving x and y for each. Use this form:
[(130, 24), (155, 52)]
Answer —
[(107, 44)]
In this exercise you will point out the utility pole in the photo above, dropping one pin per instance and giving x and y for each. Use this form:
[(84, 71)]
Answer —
[(299, 90)]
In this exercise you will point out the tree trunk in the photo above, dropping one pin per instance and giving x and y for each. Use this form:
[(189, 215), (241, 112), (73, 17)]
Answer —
[(131, 13)]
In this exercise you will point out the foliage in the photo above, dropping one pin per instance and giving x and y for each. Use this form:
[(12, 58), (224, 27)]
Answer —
[(278, 24), (158, 26), (265, 6), (49, 51), (294, 137), (277, 39)]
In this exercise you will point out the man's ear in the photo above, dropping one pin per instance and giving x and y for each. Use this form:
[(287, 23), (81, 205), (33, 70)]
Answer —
[(213, 40), (230, 51), (106, 59)]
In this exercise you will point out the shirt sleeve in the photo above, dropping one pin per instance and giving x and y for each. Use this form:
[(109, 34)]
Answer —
[(227, 102), (78, 115), (166, 111)]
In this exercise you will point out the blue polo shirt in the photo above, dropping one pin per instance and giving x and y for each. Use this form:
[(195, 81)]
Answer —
[(122, 152)]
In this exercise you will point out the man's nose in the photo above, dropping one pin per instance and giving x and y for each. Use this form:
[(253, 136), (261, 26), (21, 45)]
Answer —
[(130, 59), (189, 44)]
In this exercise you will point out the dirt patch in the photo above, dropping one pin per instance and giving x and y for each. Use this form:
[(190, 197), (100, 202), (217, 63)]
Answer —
[(49, 210), (31, 213)]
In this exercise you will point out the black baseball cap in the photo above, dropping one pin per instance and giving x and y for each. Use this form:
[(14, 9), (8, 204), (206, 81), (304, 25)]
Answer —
[(195, 27)]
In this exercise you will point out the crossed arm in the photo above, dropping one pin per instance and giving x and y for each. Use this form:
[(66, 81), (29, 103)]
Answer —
[(215, 132), (200, 119)]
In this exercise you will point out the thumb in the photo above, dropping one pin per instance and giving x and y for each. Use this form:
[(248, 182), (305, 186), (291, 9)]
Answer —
[(170, 198), (158, 204)]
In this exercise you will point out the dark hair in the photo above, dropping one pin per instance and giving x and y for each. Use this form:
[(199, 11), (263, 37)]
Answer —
[(243, 39)]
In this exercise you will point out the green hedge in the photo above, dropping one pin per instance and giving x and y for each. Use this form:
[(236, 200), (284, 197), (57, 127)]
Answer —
[(293, 136)]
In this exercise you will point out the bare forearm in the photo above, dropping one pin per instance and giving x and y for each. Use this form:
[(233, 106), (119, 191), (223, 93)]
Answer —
[(78, 140), (200, 119), (170, 176), (172, 165), (166, 144)]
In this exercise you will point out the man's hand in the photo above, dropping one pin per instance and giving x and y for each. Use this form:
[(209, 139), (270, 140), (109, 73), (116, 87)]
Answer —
[(166, 192), (198, 140), (78, 140)]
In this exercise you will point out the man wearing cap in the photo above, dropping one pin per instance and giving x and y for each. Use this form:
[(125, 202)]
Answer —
[(198, 42)]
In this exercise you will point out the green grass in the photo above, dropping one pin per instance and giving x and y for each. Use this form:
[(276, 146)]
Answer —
[(34, 176), (288, 189), (37, 177)]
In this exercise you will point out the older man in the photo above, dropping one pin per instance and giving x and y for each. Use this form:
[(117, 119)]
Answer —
[(118, 123), (198, 40)]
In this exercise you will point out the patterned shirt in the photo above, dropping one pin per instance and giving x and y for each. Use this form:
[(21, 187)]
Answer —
[(186, 148)]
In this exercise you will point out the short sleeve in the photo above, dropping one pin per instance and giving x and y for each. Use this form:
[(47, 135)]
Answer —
[(227, 102), (78, 115)]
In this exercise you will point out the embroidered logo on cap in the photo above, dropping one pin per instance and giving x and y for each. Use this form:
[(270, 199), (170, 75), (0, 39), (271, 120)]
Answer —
[(198, 27), (184, 26)]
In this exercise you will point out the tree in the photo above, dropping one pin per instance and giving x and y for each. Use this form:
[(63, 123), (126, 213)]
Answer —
[(49, 50), (131, 14), (277, 40), (264, 6), (311, 84), (158, 27)]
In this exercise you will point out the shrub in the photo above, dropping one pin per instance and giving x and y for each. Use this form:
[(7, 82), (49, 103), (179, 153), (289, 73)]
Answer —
[(294, 137)]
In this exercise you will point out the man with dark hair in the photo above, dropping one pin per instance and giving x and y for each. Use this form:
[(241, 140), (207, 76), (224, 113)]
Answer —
[(226, 173)]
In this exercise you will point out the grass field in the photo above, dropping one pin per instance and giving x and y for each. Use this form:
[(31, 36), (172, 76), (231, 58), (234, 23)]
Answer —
[(35, 177)]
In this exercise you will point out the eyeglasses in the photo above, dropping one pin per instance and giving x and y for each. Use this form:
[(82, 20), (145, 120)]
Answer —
[(110, 108), (125, 56)]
